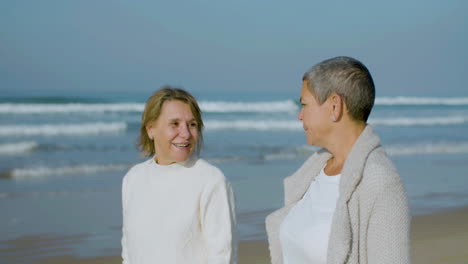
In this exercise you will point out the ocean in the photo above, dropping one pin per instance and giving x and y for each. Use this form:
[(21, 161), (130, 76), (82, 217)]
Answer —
[(62, 160)]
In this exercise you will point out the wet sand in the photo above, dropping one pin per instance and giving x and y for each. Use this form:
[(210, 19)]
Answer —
[(440, 238), (435, 239)]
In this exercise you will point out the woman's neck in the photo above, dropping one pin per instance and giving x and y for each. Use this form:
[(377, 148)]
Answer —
[(342, 141)]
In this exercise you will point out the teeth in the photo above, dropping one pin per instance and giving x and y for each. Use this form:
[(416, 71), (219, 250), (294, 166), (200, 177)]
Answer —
[(181, 145)]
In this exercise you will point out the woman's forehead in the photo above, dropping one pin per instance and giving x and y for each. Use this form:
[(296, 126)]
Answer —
[(175, 109)]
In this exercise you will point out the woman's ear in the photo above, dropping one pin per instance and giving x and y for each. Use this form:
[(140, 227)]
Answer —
[(149, 130), (336, 103)]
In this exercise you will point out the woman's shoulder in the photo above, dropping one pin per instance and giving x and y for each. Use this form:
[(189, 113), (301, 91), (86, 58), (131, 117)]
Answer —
[(138, 168), (208, 174), (379, 161), (380, 170), (208, 169)]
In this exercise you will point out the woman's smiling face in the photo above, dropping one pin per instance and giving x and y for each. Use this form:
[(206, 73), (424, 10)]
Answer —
[(175, 133), (315, 117)]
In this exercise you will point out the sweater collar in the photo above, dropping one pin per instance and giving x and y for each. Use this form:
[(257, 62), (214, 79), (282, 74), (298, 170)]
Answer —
[(351, 176), (356, 160), (177, 165)]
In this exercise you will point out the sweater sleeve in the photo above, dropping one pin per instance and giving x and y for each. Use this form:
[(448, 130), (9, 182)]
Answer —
[(218, 223), (125, 259), (389, 227)]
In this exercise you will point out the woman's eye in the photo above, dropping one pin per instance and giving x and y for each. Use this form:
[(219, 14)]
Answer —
[(175, 123), (194, 125)]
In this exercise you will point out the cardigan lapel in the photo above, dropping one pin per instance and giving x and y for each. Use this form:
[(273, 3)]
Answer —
[(355, 162), (296, 185), (340, 235)]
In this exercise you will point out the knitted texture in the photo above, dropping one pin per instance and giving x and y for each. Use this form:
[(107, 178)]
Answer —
[(178, 213), (371, 221)]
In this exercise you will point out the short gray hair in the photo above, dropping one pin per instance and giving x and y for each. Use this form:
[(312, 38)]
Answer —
[(347, 77)]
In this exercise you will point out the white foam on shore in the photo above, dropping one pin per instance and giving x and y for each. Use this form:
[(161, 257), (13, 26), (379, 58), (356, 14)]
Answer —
[(213, 125), (288, 153), (393, 150), (206, 106), (405, 100), (428, 148), (419, 121), (38, 172), (291, 153), (254, 107), (62, 129), (262, 125), (15, 108), (53, 193), (286, 106), (295, 125), (17, 148)]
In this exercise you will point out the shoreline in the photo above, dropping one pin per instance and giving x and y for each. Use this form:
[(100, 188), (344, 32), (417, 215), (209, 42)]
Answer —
[(435, 238)]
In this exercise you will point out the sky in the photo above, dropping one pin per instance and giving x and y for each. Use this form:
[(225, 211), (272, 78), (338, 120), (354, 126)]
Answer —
[(103, 47)]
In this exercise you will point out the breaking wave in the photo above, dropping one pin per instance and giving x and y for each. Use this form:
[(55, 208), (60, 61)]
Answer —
[(428, 148), (294, 125), (252, 107), (213, 125), (290, 153), (206, 106), (38, 172), (419, 121), (285, 106), (403, 100), (62, 129), (17, 148), (14, 108)]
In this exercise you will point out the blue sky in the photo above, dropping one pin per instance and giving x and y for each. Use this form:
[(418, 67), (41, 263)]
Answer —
[(86, 48)]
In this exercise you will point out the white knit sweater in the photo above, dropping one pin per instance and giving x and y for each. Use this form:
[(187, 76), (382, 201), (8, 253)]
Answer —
[(371, 222), (179, 213)]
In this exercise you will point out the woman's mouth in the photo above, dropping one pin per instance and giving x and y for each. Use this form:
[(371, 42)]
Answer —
[(181, 145)]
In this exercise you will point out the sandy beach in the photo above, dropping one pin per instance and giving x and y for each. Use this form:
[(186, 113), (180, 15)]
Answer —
[(440, 238)]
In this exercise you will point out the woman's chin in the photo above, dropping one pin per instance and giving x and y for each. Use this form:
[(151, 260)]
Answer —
[(181, 157)]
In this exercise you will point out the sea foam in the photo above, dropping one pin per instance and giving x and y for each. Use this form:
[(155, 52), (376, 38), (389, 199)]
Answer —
[(290, 153), (17, 148), (262, 125), (254, 107), (404, 100), (62, 129), (295, 125), (206, 106), (15, 108), (419, 121), (38, 172), (428, 148)]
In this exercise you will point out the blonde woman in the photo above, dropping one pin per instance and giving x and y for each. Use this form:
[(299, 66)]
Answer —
[(177, 208), (346, 204)]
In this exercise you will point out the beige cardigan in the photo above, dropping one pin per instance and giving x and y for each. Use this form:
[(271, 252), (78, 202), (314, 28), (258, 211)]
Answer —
[(371, 222)]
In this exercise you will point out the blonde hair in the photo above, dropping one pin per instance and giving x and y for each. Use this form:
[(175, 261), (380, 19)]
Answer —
[(153, 109)]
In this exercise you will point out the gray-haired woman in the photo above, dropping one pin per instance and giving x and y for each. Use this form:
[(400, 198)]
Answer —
[(346, 204)]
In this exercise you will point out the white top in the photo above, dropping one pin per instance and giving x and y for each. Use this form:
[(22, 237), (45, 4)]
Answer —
[(179, 213), (305, 231)]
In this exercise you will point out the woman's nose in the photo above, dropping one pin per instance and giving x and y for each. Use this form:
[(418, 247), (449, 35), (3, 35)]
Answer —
[(300, 115), (184, 131)]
